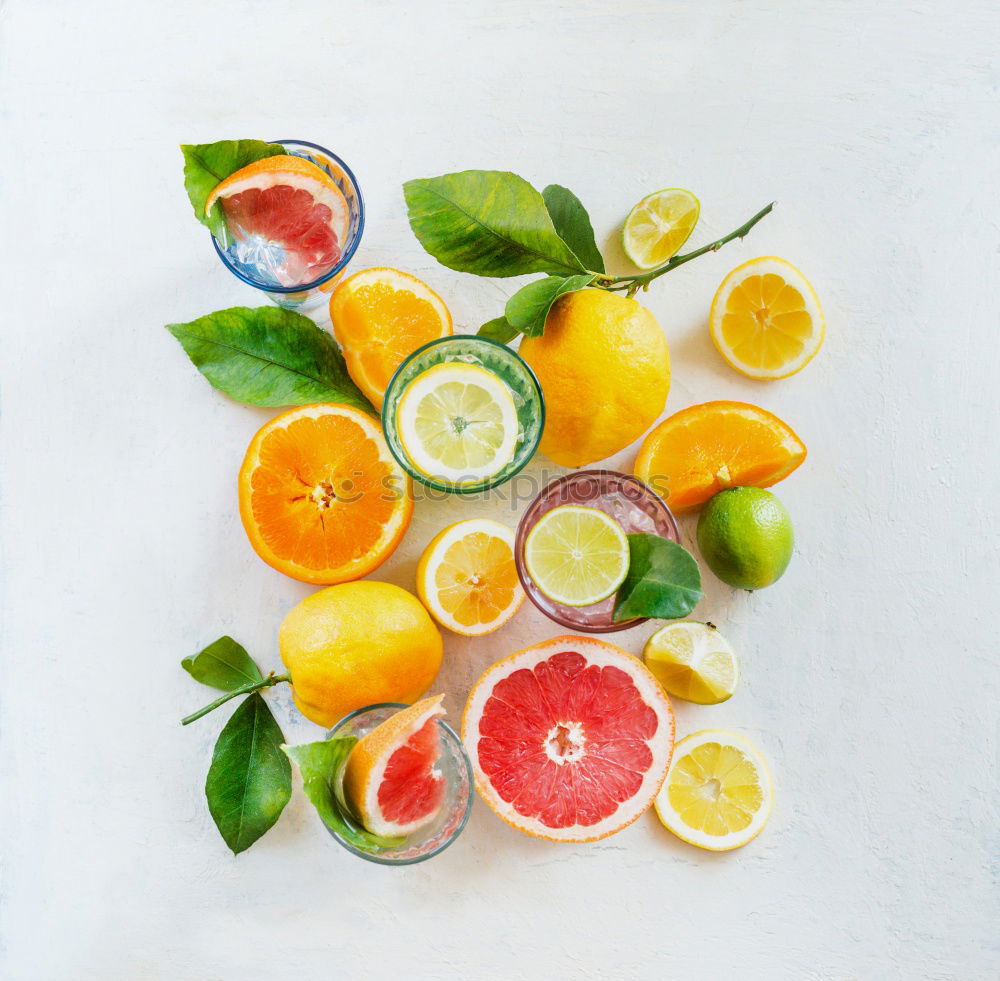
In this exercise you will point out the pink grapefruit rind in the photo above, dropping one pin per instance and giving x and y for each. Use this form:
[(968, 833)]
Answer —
[(659, 742)]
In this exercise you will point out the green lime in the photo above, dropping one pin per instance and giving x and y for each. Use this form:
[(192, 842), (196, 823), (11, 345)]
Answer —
[(745, 536)]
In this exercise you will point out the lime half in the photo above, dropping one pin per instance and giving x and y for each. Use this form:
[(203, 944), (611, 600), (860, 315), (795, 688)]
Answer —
[(577, 556), (458, 422), (693, 661), (658, 226)]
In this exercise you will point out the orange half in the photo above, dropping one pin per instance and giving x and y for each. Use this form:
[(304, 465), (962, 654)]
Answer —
[(701, 450), (379, 317), (321, 498)]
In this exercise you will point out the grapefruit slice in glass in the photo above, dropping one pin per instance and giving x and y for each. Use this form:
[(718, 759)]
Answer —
[(391, 778), (291, 203), (570, 739)]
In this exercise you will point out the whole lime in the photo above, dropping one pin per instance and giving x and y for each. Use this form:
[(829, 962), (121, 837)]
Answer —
[(745, 536)]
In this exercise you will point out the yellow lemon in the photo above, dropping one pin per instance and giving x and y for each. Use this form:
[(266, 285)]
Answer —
[(604, 368), (356, 644)]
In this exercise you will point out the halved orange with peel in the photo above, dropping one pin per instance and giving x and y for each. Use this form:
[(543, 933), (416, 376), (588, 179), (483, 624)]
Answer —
[(695, 453), (379, 317), (321, 498)]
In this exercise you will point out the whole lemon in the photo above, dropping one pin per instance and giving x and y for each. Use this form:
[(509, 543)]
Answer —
[(355, 644), (604, 368)]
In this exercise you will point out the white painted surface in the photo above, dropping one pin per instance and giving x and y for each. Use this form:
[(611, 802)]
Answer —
[(870, 670)]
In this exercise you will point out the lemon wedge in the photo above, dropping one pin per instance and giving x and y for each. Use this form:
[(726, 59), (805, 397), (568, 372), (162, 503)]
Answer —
[(693, 661), (658, 226)]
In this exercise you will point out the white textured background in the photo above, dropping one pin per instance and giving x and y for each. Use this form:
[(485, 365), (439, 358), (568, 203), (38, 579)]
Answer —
[(869, 672)]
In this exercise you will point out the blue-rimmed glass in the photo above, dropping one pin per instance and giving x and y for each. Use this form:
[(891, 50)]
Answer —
[(456, 771), (307, 296), (494, 357)]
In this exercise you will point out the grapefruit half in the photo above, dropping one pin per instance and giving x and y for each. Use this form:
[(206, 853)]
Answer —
[(570, 739), (292, 202), (391, 779)]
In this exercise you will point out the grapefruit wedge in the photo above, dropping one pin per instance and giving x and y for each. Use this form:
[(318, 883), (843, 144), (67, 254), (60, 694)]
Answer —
[(293, 203), (570, 739), (391, 779)]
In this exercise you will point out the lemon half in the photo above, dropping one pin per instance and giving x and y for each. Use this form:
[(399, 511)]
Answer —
[(458, 423), (718, 793), (659, 225)]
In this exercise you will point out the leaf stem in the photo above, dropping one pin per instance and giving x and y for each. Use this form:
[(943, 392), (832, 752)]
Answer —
[(632, 284), (269, 682)]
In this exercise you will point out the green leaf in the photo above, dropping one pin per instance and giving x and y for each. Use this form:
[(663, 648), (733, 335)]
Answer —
[(487, 222), (269, 356), (529, 306), (499, 330), (208, 164), (250, 780), (663, 580), (573, 225), (224, 664), (322, 765)]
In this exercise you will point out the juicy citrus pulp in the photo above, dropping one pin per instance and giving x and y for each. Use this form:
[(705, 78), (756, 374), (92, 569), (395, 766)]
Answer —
[(658, 226), (705, 448), (290, 201), (458, 423), (718, 793), (766, 319), (692, 661), (745, 535), (604, 366), (467, 578), (379, 317), (391, 780), (321, 498), (569, 740), (576, 555), (357, 644)]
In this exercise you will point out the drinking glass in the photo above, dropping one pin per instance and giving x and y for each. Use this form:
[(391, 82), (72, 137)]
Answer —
[(303, 296), (628, 501)]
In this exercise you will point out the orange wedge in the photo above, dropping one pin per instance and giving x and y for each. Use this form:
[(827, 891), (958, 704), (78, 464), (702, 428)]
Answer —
[(379, 317), (321, 498), (706, 448), (391, 779)]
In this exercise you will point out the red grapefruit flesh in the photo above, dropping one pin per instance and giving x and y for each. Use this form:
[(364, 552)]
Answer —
[(570, 740), (391, 778)]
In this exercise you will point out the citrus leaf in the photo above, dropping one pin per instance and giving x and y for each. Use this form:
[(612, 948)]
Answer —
[(321, 765), (269, 356), (250, 779), (573, 225), (208, 164), (499, 330), (663, 580), (224, 664), (487, 222), (529, 306)]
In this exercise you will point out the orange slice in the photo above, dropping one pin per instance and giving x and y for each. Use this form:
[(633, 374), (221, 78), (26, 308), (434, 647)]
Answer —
[(379, 317), (391, 780), (321, 498), (290, 201), (703, 449), (467, 578), (766, 320)]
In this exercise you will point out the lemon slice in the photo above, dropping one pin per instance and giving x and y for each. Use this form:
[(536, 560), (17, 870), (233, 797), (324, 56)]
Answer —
[(458, 423), (658, 226), (467, 578), (576, 556), (766, 319), (718, 792), (693, 661)]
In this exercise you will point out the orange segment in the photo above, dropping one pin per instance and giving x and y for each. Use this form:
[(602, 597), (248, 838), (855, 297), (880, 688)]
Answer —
[(321, 498), (703, 449), (467, 578), (379, 317)]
